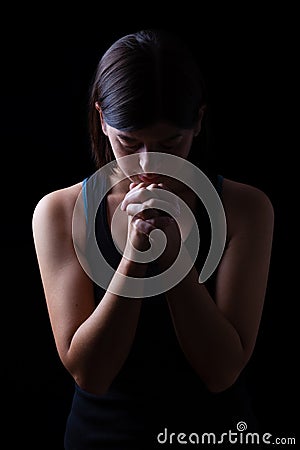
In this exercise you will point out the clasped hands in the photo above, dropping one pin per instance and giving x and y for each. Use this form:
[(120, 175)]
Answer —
[(153, 207)]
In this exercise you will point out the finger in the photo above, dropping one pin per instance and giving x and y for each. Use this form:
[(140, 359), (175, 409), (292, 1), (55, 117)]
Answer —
[(142, 226), (152, 186), (139, 194), (134, 185), (165, 207), (165, 194), (143, 184), (161, 222), (164, 186), (141, 210), (143, 192)]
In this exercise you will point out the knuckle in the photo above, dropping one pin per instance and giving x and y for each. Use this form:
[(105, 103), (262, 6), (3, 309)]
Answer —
[(151, 203)]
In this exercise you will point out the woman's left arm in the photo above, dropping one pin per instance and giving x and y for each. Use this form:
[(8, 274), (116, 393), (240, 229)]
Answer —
[(218, 335)]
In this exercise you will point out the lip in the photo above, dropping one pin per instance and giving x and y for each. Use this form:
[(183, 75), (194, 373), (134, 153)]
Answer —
[(149, 178)]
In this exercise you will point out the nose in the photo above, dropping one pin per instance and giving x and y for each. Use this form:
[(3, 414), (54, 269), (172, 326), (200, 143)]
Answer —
[(145, 159), (149, 160)]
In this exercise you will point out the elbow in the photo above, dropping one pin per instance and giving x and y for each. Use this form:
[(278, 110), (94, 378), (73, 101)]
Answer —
[(218, 384), (221, 379), (94, 387), (89, 379), (226, 374)]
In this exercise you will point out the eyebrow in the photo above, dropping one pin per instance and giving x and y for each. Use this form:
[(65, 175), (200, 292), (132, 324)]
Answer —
[(126, 138), (132, 139)]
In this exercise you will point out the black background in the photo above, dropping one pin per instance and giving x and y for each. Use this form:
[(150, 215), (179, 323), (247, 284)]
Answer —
[(48, 58)]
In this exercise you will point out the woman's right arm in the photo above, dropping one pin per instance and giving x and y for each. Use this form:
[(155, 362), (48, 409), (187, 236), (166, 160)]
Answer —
[(92, 342)]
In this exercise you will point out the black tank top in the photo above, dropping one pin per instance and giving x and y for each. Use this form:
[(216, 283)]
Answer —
[(156, 392)]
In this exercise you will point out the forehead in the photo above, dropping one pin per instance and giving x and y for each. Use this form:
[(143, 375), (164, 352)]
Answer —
[(158, 131)]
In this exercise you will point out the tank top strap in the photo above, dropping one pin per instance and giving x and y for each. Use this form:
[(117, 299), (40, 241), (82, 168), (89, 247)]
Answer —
[(93, 191)]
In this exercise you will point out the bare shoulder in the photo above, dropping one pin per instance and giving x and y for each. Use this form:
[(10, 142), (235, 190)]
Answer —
[(246, 204), (56, 208)]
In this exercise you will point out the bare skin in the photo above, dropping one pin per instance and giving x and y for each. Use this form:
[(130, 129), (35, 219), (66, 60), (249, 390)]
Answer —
[(217, 335)]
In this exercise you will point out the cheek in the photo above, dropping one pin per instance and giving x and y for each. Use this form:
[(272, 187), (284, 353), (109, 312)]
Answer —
[(128, 165), (184, 152), (184, 149)]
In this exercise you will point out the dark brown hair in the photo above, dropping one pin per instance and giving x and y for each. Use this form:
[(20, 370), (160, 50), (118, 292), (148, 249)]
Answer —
[(143, 78)]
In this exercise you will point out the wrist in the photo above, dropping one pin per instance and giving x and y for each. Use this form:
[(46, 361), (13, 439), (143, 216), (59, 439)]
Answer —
[(132, 268)]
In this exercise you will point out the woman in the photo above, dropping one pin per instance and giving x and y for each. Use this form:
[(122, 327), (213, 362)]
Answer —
[(151, 360)]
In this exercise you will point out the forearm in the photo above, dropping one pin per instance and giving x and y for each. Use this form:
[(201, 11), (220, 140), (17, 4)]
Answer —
[(209, 341), (101, 344)]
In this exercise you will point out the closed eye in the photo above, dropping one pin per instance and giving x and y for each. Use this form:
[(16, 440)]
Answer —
[(167, 146), (129, 144), (131, 148), (171, 143)]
